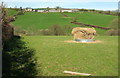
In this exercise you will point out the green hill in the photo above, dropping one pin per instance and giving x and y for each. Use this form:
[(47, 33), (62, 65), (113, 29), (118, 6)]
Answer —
[(39, 21), (11, 12), (93, 18)]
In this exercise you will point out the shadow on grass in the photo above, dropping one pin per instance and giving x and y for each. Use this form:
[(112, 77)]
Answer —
[(18, 59)]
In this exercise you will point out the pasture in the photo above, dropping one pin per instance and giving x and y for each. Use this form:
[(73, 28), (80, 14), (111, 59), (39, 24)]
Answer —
[(37, 21), (11, 12), (55, 56), (41, 20), (93, 18)]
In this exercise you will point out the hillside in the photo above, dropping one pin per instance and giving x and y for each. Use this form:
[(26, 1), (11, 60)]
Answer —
[(41, 20), (38, 21), (11, 12), (93, 18)]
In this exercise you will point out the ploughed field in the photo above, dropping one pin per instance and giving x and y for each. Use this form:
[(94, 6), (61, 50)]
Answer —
[(55, 56)]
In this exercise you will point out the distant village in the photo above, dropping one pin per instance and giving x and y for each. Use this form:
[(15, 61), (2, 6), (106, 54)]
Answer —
[(59, 9), (51, 10)]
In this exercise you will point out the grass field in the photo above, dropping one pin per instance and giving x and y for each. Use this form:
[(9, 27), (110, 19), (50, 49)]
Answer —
[(41, 20), (37, 21), (11, 12), (55, 56), (93, 18)]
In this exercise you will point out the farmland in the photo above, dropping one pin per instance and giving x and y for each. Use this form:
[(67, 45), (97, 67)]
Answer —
[(56, 56), (38, 21), (41, 20), (93, 18), (11, 12)]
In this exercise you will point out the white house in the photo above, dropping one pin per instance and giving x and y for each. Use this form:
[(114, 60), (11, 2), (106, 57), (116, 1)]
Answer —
[(53, 10), (28, 9), (66, 10), (33, 10), (40, 10), (75, 10)]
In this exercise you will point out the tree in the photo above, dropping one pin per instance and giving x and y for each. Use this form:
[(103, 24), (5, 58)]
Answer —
[(57, 7), (20, 8), (48, 8), (20, 12)]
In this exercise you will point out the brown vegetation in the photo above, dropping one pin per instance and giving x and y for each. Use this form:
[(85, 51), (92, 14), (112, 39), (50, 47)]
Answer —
[(115, 29), (7, 28)]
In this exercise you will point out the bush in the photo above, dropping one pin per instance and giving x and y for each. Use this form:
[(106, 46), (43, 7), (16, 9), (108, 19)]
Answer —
[(19, 31), (53, 30), (20, 13), (7, 27), (18, 59), (113, 32), (45, 32), (114, 24), (75, 19), (115, 29), (56, 30), (67, 30)]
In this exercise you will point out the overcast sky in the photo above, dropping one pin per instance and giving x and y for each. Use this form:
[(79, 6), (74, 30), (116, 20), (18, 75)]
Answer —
[(88, 4)]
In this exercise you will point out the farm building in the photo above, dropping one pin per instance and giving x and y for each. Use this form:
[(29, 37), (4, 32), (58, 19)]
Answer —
[(66, 10), (28, 9), (53, 10), (40, 10), (75, 10)]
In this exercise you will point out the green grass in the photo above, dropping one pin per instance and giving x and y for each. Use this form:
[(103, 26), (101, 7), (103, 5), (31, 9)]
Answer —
[(37, 21), (41, 20), (56, 56), (94, 19), (11, 12)]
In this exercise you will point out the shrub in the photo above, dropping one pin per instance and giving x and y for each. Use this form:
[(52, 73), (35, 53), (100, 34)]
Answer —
[(45, 32), (115, 30), (114, 24), (75, 19), (20, 13), (18, 59), (19, 31), (7, 28), (56, 30), (67, 30)]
